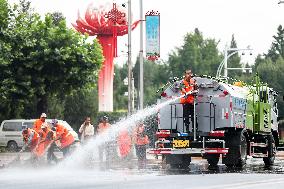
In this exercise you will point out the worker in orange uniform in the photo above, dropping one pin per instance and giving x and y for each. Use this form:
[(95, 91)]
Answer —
[(141, 141), (104, 148), (31, 140), (46, 140), (38, 123), (45, 129), (124, 143), (65, 138), (188, 89)]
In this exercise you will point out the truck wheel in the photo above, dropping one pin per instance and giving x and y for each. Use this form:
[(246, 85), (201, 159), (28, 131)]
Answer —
[(213, 159), (183, 165), (12, 146), (175, 166), (271, 149), (164, 163), (237, 145), (243, 151), (178, 161), (186, 161)]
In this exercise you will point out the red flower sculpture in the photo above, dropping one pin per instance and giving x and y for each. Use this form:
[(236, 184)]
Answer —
[(106, 25)]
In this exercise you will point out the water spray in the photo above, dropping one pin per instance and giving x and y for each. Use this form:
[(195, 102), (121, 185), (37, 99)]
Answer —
[(111, 133)]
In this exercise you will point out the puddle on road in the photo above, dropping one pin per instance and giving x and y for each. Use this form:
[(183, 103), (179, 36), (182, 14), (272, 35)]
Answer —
[(252, 166)]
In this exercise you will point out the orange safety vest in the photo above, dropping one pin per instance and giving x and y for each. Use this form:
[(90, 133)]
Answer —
[(188, 86), (66, 138), (37, 125), (140, 140), (124, 143), (34, 141), (43, 133), (103, 127), (44, 143)]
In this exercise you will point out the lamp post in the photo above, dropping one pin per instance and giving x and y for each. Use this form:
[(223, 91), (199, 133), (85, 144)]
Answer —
[(228, 52), (129, 61), (141, 75), (280, 2), (130, 86)]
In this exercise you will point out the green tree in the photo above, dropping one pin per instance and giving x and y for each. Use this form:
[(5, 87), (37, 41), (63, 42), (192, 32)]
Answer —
[(15, 84), (120, 101), (273, 73), (277, 47), (234, 61), (155, 75), (57, 17), (71, 61), (80, 104), (43, 59), (271, 67), (4, 14), (198, 54), (4, 20)]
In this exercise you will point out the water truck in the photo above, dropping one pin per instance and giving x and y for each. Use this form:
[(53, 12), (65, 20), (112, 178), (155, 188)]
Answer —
[(231, 122)]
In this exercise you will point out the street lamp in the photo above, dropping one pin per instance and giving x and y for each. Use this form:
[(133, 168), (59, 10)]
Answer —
[(280, 2), (228, 52), (141, 75), (130, 66), (130, 74)]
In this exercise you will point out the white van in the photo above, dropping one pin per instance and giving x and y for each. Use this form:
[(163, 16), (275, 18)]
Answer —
[(11, 132)]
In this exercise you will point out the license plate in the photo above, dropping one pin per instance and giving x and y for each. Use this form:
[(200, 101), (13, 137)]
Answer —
[(180, 143)]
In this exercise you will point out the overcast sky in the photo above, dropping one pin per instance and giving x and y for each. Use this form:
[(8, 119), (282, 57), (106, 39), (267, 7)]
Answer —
[(253, 22)]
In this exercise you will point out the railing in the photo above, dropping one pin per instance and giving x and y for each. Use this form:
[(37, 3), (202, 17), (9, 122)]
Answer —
[(212, 115)]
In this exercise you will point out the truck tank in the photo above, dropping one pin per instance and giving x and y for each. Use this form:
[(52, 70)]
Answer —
[(232, 122)]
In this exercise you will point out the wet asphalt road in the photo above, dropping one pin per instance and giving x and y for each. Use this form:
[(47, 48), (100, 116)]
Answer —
[(197, 166), (127, 176)]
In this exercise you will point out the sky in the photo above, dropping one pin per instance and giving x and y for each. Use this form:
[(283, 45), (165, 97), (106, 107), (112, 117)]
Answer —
[(253, 22)]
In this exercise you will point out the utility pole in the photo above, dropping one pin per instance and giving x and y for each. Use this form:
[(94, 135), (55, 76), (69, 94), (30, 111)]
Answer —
[(130, 87), (226, 61), (133, 94), (141, 75)]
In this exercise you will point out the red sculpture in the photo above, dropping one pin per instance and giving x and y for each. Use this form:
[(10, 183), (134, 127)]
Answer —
[(106, 25)]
